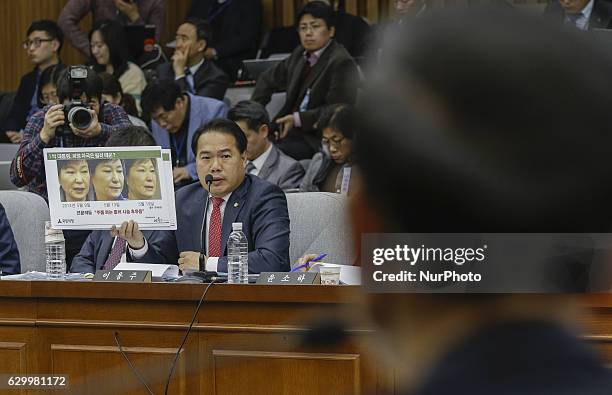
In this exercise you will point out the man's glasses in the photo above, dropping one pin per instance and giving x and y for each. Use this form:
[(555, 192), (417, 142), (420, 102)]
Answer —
[(332, 142), (35, 43)]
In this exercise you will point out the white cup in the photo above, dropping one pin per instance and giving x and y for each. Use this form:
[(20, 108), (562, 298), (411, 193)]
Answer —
[(330, 275)]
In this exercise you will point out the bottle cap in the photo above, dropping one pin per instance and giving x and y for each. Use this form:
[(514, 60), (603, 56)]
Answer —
[(237, 226), (52, 235)]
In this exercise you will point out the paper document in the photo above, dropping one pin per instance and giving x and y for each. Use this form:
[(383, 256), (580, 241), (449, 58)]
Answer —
[(158, 270)]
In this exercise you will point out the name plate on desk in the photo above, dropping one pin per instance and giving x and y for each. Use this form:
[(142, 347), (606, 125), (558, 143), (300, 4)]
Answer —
[(123, 276), (293, 278)]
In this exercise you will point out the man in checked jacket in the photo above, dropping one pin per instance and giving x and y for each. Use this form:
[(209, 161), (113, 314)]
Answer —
[(28, 168)]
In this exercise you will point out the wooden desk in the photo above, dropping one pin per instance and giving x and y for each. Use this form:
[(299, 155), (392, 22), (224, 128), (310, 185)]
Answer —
[(246, 339)]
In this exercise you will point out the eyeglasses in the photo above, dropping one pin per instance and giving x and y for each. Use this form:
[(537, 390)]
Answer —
[(313, 27), (35, 43), (48, 97), (332, 142)]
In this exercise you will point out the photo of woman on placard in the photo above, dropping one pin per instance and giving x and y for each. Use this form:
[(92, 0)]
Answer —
[(142, 179), (107, 179), (74, 179)]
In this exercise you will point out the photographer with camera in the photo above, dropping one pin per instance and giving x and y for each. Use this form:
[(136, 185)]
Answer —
[(80, 121)]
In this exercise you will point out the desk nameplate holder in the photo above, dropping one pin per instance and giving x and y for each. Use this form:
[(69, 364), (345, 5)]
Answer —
[(289, 278), (123, 276)]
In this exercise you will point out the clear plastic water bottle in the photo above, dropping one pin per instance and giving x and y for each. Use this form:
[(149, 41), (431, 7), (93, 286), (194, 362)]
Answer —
[(55, 249), (237, 256)]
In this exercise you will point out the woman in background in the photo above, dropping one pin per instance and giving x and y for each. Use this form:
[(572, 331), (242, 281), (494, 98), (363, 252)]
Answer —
[(47, 89), (112, 93), (109, 53), (329, 170)]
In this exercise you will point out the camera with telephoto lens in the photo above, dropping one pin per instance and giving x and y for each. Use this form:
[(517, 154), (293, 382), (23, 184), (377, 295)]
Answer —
[(76, 113)]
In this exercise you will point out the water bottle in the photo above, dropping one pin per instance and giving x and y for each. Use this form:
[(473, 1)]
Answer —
[(55, 249), (237, 256)]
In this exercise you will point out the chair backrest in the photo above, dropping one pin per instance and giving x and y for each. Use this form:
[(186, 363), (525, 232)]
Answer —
[(27, 213), (319, 224)]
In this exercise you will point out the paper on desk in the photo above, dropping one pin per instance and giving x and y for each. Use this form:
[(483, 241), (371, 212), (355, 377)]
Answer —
[(158, 270), (34, 275), (349, 275)]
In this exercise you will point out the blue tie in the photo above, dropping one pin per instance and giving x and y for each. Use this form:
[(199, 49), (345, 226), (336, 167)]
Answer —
[(189, 79)]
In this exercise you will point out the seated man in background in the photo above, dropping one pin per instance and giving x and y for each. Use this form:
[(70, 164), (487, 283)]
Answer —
[(176, 115), (126, 12), (581, 14), (43, 45), (189, 67), (49, 128), (460, 164), (351, 31), (236, 30), (266, 161), (200, 241), (319, 72), (9, 254), (104, 249)]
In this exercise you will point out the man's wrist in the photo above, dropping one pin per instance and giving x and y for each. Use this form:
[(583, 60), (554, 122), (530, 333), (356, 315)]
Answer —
[(137, 246)]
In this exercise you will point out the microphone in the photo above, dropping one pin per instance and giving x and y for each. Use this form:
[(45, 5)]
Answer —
[(208, 179)]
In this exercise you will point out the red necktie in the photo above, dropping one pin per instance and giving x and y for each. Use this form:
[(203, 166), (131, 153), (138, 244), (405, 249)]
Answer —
[(115, 255), (214, 228)]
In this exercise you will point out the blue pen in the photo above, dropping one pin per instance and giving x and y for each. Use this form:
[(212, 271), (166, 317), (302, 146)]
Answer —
[(317, 259)]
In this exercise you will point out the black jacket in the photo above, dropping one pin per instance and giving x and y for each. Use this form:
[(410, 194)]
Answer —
[(601, 16), (21, 105), (209, 80), (236, 30)]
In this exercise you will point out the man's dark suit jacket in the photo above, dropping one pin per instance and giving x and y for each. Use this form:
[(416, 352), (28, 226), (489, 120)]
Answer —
[(527, 358), (235, 32), (601, 16), (332, 80), (9, 255), (96, 249), (258, 204), (209, 80), (21, 105), (352, 31)]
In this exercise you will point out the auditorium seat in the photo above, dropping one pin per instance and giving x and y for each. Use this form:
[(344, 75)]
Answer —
[(27, 213), (319, 224)]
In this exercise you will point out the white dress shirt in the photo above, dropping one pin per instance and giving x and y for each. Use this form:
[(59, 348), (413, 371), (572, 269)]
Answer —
[(212, 262), (260, 160)]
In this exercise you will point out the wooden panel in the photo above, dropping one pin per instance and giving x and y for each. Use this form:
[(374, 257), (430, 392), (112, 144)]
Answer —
[(102, 369), (256, 372), (13, 357), (13, 360)]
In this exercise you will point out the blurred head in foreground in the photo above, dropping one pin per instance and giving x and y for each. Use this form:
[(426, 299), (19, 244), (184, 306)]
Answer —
[(485, 121)]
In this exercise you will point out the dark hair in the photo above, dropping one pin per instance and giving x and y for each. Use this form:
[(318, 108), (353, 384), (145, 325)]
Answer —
[(339, 117), (92, 86), (113, 34), (510, 148), (317, 9), (49, 27), (203, 30), (221, 125), (48, 76), (251, 112), (111, 86), (130, 136), (162, 93)]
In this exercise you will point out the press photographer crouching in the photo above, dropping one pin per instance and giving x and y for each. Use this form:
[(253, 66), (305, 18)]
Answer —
[(80, 121)]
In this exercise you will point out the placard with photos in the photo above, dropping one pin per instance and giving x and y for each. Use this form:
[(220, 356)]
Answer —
[(96, 188)]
